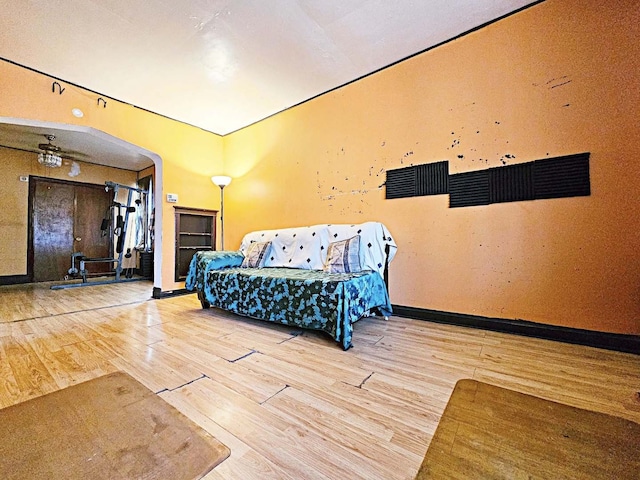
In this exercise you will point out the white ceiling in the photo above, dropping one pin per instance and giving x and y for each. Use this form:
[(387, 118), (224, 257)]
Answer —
[(224, 64)]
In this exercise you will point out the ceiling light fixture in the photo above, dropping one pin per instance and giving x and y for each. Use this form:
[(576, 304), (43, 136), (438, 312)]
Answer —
[(50, 157)]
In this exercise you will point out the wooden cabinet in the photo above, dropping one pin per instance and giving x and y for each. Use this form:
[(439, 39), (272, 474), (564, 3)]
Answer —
[(195, 231)]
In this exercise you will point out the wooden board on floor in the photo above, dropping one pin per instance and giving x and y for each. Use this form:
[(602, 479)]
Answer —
[(111, 427), (492, 432)]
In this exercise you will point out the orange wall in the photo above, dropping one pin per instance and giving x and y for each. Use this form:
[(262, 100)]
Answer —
[(189, 155), (558, 78)]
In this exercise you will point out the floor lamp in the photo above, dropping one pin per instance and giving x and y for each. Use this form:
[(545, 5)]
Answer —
[(221, 181)]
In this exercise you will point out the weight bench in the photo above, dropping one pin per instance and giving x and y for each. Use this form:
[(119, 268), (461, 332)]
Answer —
[(73, 271)]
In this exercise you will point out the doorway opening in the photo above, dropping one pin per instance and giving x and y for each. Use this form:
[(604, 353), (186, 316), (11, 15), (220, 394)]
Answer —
[(95, 147), (65, 218)]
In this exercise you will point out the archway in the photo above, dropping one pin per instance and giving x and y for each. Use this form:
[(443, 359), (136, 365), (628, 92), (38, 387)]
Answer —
[(97, 147)]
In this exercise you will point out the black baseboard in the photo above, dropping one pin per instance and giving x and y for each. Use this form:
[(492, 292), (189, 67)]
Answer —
[(610, 341), (158, 293), (13, 279)]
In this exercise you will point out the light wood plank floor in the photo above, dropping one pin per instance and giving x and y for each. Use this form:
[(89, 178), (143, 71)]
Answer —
[(291, 404)]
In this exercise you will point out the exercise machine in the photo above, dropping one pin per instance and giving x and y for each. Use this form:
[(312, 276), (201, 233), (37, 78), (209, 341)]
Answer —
[(115, 224)]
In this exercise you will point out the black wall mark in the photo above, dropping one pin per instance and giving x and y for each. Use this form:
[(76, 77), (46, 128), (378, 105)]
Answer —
[(555, 82), (504, 158), (406, 155), (456, 141)]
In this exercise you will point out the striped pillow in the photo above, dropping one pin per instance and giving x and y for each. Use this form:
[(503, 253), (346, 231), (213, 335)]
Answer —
[(256, 255), (343, 256)]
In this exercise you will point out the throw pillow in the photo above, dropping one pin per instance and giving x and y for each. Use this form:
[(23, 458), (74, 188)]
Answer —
[(256, 255), (343, 256)]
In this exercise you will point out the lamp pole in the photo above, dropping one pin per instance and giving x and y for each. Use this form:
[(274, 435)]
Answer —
[(222, 217), (221, 181)]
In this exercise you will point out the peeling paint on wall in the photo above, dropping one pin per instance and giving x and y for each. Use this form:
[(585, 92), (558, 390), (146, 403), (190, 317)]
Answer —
[(338, 184)]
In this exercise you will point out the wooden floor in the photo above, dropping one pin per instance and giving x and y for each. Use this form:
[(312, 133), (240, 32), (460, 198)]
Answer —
[(291, 405)]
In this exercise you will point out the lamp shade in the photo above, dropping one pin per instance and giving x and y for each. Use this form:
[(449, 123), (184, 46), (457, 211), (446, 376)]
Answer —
[(221, 180)]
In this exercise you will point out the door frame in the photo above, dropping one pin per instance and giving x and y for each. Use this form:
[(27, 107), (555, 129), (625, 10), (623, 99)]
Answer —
[(108, 140), (33, 179)]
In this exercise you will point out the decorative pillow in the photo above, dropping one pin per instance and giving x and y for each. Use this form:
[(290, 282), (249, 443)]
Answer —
[(374, 241), (343, 256), (253, 237), (256, 255)]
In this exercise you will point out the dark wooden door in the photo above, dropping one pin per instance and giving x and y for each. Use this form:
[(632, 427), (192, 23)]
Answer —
[(65, 219), (91, 207)]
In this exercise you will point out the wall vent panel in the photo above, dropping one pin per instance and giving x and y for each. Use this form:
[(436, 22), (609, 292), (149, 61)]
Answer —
[(401, 183), (432, 178), (469, 189), (418, 180), (558, 177), (561, 177), (513, 183)]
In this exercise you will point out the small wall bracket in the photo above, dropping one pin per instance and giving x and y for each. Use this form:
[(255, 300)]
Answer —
[(60, 88)]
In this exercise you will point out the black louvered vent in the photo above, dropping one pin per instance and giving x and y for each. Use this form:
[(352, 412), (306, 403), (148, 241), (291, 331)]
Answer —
[(560, 177), (418, 180), (401, 182), (432, 178), (469, 189), (513, 183), (557, 177)]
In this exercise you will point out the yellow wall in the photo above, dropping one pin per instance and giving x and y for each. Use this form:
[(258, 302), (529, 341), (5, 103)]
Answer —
[(558, 78), (189, 155), (14, 214)]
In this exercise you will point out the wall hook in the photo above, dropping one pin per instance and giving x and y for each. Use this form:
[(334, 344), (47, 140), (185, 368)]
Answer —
[(60, 88), (103, 101)]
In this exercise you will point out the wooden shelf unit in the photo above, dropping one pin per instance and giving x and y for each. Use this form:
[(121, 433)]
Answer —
[(195, 231)]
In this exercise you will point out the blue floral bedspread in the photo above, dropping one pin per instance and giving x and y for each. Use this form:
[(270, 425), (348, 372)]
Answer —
[(312, 299), (204, 261)]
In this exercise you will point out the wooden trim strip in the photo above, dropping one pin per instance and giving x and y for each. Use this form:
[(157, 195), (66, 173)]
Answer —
[(158, 293), (13, 279), (609, 341)]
